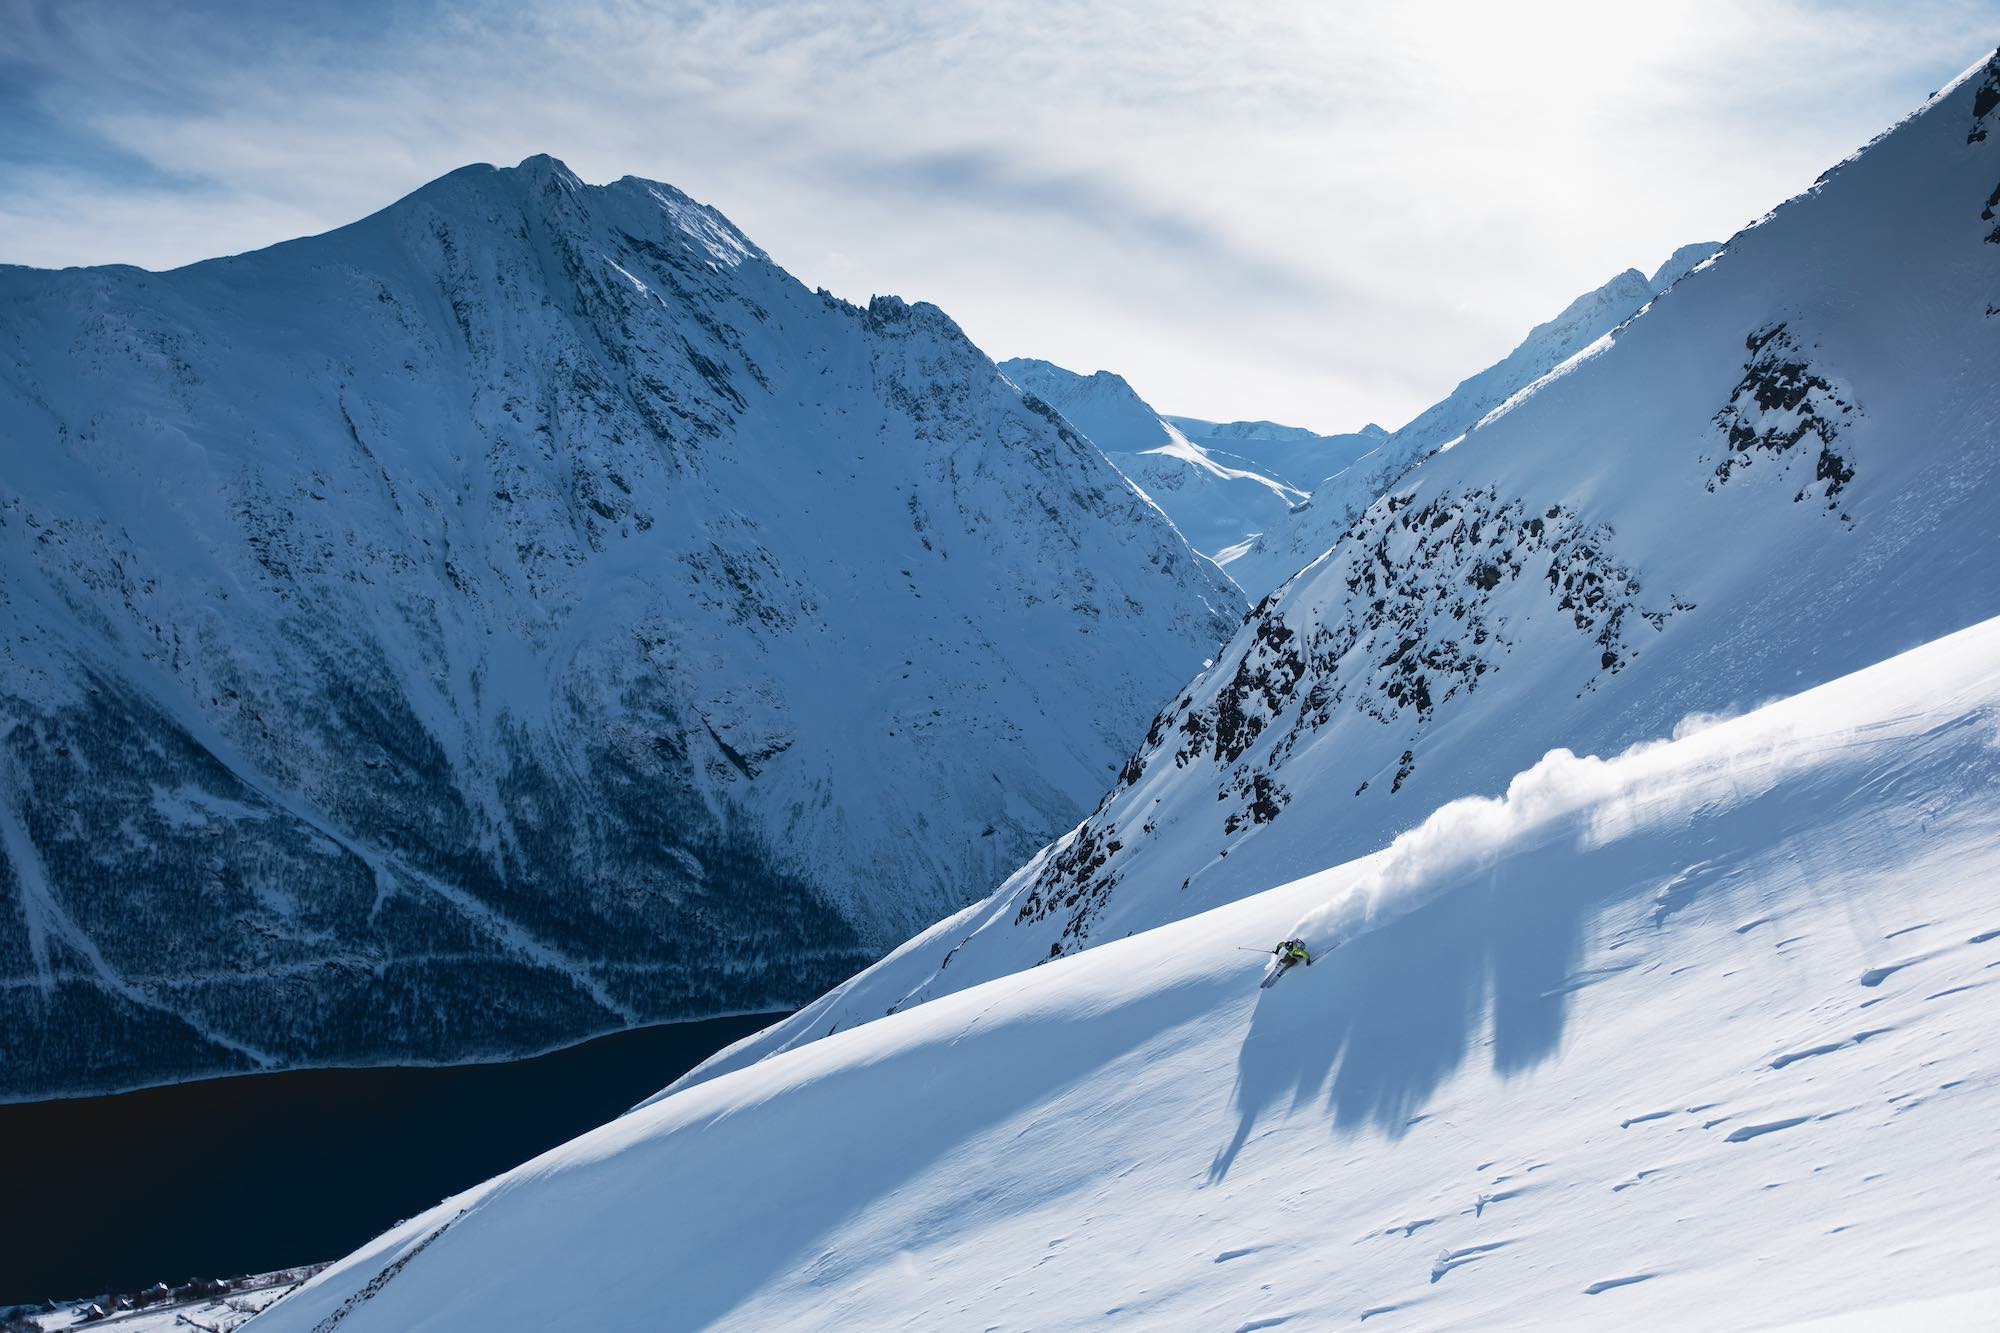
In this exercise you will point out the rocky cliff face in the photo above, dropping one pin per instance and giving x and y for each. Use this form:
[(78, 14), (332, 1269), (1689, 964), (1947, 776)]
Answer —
[(525, 612)]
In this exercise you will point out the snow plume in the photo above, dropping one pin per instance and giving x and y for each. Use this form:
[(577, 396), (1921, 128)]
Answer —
[(1462, 836), (1712, 763)]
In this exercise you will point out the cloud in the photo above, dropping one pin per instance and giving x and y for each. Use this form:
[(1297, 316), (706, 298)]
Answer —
[(1326, 214), (998, 181)]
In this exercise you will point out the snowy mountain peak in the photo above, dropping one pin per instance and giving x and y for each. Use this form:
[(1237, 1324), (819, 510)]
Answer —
[(897, 317), (532, 605), (1681, 263), (1546, 346), (547, 166), (1225, 434), (1589, 309), (1222, 491), (1381, 458), (1102, 405), (544, 188)]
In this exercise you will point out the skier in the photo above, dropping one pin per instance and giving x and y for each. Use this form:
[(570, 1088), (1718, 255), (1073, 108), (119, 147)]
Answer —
[(1289, 955)]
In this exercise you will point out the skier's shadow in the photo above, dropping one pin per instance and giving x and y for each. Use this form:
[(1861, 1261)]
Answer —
[(1378, 1024)]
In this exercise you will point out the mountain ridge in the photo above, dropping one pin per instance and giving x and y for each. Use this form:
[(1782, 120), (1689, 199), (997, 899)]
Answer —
[(523, 612), (1225, 484)]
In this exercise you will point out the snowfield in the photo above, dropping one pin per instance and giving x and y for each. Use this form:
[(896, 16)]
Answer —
[(1687, 1034)]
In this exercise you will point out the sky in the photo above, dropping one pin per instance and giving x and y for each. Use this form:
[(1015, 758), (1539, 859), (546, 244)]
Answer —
[(1323, 214)]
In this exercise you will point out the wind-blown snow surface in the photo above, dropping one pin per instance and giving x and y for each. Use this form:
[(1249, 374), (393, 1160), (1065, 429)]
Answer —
[(1692, 1035), (525, 612), (1787, 468)]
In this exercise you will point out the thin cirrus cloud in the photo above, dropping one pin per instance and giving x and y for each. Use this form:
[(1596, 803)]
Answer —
[(1326, 214), (998, 181)]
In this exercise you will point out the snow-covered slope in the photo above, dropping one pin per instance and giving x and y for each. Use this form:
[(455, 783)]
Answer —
[(1689, 1037), (1787, 468), (1339, 498), (1292, 453), (525, 612), (1264, 500), (1219, 506), (1103, 406), (1549, 344)]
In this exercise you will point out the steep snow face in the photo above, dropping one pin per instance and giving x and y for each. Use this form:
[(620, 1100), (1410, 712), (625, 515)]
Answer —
[(525, 612), (1688, 1036), (1341, 497), (1221, 505), (1786, 468)]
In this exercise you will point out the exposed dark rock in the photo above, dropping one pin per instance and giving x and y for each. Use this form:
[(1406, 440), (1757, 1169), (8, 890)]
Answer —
[(1984, 99), (1780, 400), (1418, 628)]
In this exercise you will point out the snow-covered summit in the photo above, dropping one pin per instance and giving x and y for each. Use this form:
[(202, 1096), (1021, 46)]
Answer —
[(524, 612), (1102, 405), (1221, 504), (1681, 263)]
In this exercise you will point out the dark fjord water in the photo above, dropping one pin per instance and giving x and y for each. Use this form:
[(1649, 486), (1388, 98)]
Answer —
[(244, 1175)]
